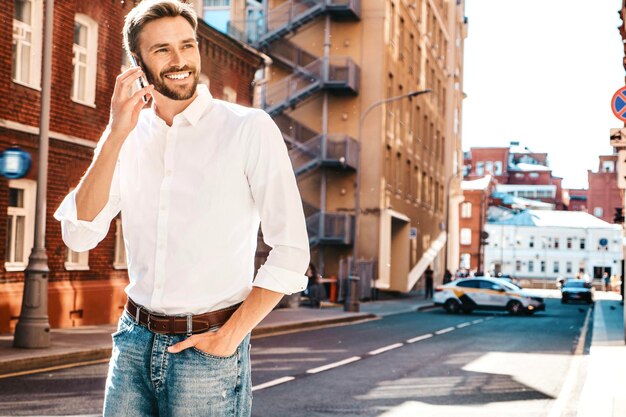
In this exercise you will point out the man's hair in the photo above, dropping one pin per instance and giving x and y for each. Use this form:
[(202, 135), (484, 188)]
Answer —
[(150, 10)]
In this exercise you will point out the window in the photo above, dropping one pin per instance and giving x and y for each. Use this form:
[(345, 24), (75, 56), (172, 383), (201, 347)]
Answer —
[(76, 261), (598, 211), (229, 94), (120, 247), (543, 266), (20, 224), (534, 175), (555, 267), (531, 242), (531, 266), (498, 165), (569, 243), (217, 14), (470, 283), (466, 236), (568, 267), (518, 266), (556, 243), (27, 33), (480, 168), (489, 167), (85, 51), (582, 243), (608, 166)]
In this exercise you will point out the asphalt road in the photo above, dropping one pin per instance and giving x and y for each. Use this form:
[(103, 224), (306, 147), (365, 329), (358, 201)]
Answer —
[(428, 363)]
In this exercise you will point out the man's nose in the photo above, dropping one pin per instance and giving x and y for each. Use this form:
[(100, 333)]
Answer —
[(177, 59)]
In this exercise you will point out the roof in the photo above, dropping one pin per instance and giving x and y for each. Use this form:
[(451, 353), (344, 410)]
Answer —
[(550, 218), (523, 166), (520, 202), (479, 184)]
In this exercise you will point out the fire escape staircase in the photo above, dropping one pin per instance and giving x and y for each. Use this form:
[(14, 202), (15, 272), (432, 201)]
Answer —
[(309, 150)]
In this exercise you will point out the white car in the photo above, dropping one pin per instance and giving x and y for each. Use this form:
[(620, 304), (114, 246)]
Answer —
[(485, 293)]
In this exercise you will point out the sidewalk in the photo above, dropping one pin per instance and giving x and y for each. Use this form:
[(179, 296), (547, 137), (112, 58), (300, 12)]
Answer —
[(603, 392), (90, 344)]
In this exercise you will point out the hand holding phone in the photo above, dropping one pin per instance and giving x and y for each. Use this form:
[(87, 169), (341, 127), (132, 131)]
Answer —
[(141, 81)]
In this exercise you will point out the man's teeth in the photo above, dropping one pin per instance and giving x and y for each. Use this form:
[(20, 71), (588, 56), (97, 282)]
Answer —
[(178, 76)]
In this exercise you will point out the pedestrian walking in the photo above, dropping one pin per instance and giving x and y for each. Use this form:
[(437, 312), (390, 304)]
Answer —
[(315, 289), (192, 177), (447, 276), (606, 281), (428, 276)]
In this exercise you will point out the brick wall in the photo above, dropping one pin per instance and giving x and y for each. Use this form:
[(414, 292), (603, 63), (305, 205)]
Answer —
[(93, 296)]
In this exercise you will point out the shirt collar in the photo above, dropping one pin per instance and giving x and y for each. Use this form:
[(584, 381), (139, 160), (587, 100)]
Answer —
[(196, 108), (194, 111)]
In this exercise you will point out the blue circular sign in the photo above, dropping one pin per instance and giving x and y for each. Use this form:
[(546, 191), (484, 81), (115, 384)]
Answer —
[(618, 104), (14, 163), (604, 242)]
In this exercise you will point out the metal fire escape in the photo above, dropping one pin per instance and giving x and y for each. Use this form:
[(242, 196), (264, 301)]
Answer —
[(309, 150)]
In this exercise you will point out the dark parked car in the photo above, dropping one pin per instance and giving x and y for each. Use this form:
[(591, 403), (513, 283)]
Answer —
[(576, 290)]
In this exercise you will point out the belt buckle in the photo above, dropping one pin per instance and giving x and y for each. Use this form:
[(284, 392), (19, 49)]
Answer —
[(189, 324)]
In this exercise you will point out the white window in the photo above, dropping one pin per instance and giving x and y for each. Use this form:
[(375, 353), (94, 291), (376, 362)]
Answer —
[(608, 166), (20, 224), (556, 267), (466, 236), (533, 175), (568, 267), (466, 210), (598, 211), (27, 34), (85, 63), (120, 247), (76, 261), (518, 266), (569, 243), (480, 168), (519, 175), (582, 243), (531, 266), (230, 95), (498, 165), (489, 167), (543, 266), (556, 243), (531, 242)]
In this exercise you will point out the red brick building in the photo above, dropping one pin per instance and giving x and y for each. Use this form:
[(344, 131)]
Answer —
[(85, 288), (578, 200), (518, 171), (472, 219), (603, 194)]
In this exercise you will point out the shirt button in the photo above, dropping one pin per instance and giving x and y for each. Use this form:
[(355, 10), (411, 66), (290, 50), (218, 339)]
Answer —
[(159, 286)]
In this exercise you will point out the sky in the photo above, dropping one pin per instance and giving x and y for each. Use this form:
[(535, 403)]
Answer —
[(543, 72)]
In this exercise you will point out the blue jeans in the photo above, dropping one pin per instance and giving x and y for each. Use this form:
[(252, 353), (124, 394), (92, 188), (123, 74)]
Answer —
[(145, 380)]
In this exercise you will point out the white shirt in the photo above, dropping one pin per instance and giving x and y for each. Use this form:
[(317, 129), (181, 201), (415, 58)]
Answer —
[(192, 196)]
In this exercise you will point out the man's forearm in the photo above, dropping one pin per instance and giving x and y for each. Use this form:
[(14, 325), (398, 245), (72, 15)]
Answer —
[(93, 191), (259, 303)]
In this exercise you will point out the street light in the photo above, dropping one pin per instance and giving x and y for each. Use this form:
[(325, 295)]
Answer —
[(354, 306), (32, 329)]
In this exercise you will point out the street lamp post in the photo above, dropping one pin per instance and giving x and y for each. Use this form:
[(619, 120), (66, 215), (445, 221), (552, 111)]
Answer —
[(354, 306), (32, 329)]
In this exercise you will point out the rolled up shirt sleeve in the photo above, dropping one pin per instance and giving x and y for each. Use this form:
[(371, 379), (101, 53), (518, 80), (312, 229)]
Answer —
[(275, 192), (81, 235)]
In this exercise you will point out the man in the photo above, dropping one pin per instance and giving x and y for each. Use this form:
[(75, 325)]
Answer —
[(429, 275), (192, 177)]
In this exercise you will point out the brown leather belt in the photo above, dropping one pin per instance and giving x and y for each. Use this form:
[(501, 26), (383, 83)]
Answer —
[(179, 324)]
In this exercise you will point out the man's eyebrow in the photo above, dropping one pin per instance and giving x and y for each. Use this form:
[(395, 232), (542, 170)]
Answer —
[(163, 45)]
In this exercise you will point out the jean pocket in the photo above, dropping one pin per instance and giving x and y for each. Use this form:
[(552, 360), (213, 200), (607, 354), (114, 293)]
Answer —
[(216, 357), (124, 325)]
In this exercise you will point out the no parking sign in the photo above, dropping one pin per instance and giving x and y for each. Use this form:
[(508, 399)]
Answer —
[(618, 104)]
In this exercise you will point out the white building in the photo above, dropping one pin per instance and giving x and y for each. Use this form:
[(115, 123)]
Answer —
[(544, 244)]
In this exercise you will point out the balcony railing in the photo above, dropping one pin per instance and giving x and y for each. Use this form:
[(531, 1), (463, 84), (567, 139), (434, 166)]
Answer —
[(339, 74), (330, 228), (338, 151), (288, 17)]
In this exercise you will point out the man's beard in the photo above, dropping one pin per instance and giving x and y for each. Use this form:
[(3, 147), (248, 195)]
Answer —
[(161, 86)]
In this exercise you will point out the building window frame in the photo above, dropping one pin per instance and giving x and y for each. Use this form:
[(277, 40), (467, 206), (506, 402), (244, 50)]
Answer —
[(466, 210), (85, 62), (465, 237), (16, 252), (26, 42)]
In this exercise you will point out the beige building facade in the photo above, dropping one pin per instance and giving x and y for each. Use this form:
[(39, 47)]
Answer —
[(388, 195)]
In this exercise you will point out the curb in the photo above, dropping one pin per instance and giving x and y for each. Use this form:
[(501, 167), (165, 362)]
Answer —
[(279, 328), (427, 307)]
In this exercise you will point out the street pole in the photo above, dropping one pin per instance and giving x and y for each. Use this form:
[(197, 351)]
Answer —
[(357, 191), (453, 176), (32, 329)]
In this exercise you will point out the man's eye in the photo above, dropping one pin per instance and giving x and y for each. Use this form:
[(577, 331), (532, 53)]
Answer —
[(161, 50)]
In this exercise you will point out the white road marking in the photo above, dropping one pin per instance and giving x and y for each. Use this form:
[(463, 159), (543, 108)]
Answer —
[(385, 349), (418, 338), (273, 383), (446, 330), (333, 365), (460, 326), (477, 321)]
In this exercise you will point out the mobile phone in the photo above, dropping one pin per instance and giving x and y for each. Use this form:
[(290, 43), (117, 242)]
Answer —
[(141, 81)]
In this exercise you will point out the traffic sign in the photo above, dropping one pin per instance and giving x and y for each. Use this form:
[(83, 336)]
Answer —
[(618, 137), (621, 169), (618, 104)]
